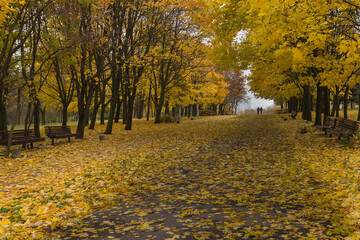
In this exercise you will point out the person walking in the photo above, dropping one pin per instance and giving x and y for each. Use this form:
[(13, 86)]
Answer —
[(258, 110), (261, 109)]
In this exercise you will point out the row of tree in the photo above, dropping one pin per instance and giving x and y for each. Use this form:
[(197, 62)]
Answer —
[(114, 54), (299, 51)]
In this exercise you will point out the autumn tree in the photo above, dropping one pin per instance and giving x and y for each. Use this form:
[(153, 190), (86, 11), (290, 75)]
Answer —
[(17, 28), (178, 53), (80, 16), (237, 88), (306, 50)]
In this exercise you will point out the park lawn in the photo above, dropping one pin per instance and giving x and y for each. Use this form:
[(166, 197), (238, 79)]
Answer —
[(55, 186)]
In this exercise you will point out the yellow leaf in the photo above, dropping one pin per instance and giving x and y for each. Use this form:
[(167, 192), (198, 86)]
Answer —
[(5, 222)]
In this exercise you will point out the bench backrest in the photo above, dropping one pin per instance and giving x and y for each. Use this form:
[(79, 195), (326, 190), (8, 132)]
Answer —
[(57, 129), (17, 134), (346, 124), (330, 121)]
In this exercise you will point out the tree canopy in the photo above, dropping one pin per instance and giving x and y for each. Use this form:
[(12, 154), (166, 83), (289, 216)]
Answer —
[(293, 48), (105, 59)]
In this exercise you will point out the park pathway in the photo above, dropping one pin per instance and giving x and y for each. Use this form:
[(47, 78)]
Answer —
[(250, 180)]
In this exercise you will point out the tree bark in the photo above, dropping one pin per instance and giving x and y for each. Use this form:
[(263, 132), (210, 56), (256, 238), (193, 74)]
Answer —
[(326, 94), (197, 108), (148, 105), (159, 103), (64, 115), (110, 122), (118, 110), (346, 100), (319, 104), (37, 118), (114, 98), (132, 96), (358, 118), (13, 124), (3, 115), (28, 120), (43, 115), (116, 80), (335, 109), (95, 109), (307, 103), (167, 109)]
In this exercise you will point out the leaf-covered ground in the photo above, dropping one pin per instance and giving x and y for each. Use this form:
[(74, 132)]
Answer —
[(227, 177)]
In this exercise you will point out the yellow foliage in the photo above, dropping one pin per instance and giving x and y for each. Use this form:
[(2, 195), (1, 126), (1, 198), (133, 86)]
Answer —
[(308, 177)]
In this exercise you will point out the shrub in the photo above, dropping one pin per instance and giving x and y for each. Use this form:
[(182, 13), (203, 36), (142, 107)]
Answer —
[(167, 119)]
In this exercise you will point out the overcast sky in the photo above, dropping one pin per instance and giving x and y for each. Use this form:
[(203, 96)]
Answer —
[(254, 103), (259, 102)]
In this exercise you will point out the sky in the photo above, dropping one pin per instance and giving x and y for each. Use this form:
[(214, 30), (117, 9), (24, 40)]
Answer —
[(254, 103), (259, 102)]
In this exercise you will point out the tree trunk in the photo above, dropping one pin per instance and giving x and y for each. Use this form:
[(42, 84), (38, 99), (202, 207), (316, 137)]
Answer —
[(28, 116), (141, 106), (197, 108), (335, 102), (307, 103), (102, 113), (167, 109), (43, 115), (148, 105), (110, 122), (346, 100), (81, 125), (95, 108), (37, 118), (3, 116), (132, 96), (125, 104), (319, 104), (326, 94), (13, 124), (159, 106), (64, 115), (118, 111), (293, 105), (83, 110), (358, 118), (114, 99)]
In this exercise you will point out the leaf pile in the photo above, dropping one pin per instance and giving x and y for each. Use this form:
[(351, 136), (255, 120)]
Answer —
[(217, 177)]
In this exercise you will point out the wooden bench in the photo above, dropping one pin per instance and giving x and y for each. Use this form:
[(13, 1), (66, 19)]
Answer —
[(20, 137), (329, 124), (343, 127), (59, 132)]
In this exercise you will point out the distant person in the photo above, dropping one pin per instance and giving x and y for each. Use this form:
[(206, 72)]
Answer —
[(261, 109), (258, 110)]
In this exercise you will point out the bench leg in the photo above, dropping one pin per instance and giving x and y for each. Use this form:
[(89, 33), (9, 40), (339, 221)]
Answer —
[(52, 141), (31, 145), (69, 139)]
